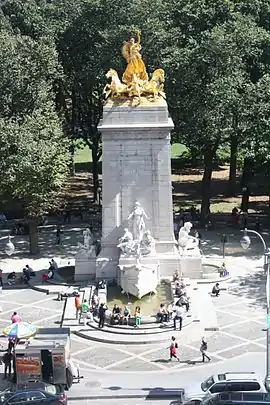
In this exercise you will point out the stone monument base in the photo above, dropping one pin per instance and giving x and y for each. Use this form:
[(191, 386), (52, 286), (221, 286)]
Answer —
[(85, 267), (138, 277), (191, 267)]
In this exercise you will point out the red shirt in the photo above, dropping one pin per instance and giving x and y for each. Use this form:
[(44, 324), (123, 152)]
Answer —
[(77, 302)]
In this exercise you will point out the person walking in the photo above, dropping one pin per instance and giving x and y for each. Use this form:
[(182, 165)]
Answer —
[(173, 349), (101, 313), (7, 360), (178, 316), (203, 350), (58, 235), (85, 309), (1, 278), (77, 303)]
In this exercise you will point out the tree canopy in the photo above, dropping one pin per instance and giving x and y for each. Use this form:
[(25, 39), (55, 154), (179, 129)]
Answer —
[(54, 56)]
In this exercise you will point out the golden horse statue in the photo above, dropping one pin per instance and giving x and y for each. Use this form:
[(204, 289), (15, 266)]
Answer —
[(115, 88), (135, 82), (156, 85)]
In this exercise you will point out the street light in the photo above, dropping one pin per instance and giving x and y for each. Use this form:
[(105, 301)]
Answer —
[(245, 243)]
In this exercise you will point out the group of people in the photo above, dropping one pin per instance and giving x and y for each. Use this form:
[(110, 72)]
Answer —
[(121, 316), (24, 278), (175, 310), (174, 346)]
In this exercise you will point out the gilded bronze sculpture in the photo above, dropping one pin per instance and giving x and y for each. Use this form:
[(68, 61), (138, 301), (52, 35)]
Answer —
[(135, 82)]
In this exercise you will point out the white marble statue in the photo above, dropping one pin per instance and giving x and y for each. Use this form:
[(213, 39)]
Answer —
[(138, 216), (186, 241), (87, 238), (126, 242), (147, 244), (88, 243)]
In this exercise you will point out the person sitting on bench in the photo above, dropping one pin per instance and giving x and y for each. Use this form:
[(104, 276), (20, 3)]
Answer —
[(116, 315), (162, 314)]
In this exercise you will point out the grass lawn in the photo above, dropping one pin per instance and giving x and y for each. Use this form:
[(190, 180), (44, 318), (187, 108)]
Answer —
[(84, 155)]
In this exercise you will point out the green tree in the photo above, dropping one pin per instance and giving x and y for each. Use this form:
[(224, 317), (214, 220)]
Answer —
[(33, 151), (216, 53), (88, 49)]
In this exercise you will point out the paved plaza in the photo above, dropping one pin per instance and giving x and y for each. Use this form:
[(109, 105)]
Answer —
[(241, 319), (121, 369)]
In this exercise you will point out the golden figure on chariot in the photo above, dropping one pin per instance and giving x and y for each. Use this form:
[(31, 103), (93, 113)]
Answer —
[(135, 81)]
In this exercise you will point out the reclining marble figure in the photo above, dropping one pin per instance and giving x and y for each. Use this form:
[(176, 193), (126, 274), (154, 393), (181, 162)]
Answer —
[(186, 241)]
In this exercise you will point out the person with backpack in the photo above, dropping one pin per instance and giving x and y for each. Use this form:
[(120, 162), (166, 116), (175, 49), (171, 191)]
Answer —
[(173, 349), (203, 350)]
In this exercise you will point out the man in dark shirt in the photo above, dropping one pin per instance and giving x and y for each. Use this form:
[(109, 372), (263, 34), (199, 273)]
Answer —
[(101, 312), (7, 360)]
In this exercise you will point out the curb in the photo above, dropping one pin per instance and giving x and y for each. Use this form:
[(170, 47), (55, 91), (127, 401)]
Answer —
[(217, 280), (162, 394), (39, 289)]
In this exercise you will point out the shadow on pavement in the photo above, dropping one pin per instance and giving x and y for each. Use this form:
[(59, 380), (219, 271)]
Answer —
[(251, 286)]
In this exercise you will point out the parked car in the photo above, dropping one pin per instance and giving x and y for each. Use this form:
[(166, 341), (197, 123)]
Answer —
[(34, 394), (228, 382)]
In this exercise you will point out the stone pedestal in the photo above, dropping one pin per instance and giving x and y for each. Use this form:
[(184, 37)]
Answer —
[(138, 277), (85, 267), (136, 166)]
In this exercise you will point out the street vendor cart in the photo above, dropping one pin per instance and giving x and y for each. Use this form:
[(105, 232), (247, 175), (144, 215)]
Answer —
[(45, 357)]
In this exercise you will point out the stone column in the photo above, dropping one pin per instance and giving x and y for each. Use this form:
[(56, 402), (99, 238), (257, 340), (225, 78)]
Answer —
[(136, 166)]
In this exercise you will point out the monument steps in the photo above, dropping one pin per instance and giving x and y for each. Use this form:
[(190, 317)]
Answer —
[(131, 330), (144, 325), (136, 336), (148, 321)]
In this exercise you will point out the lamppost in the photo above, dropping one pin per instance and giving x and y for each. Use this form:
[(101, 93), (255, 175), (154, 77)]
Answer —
[(245, 243), (9, 246)]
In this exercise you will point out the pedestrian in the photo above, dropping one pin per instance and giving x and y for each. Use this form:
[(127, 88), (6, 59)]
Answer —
[(77, 304), (216, 290), (203, 350), (7, 360), (102, 314), (1, 278), (16, 318), (138, 316), (58, 235), (85, 309), (178, 314), (173, 349)]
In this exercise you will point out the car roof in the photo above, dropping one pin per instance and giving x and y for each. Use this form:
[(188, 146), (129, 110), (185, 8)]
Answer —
[(229, 376)]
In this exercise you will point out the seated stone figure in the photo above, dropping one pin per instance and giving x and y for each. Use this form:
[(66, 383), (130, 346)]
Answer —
[(147, 244), (186, 241), (126, 243)]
